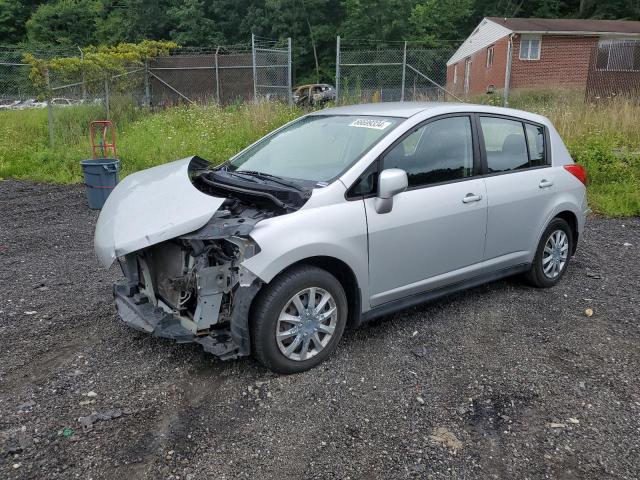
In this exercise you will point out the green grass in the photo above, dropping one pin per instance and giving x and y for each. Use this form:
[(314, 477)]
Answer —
[(604, 137), (144, 139)]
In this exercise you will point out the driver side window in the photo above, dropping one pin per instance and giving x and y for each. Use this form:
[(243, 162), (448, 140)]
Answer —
[(439, 151)]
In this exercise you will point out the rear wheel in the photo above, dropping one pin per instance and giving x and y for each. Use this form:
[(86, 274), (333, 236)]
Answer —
[(298, 320), (552, 255)]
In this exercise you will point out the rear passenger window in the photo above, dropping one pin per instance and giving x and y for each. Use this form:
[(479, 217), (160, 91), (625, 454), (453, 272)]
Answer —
[(535, 139), (505, 144)]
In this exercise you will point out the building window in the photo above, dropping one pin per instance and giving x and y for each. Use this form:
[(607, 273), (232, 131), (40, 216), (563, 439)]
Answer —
[(455, 74), (618, 55), (530, 48), (490, 56)]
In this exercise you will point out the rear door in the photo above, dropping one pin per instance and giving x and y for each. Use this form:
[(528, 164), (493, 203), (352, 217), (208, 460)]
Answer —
[(520, 187), (435, 233)]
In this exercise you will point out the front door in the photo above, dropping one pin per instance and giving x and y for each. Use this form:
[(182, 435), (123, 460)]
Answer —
[(435, 233)]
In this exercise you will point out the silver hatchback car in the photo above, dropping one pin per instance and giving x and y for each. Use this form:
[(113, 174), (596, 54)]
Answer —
[(338, 217)]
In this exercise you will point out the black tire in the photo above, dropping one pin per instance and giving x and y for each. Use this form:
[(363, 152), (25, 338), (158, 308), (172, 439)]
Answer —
[(536, 276), (270, 303)]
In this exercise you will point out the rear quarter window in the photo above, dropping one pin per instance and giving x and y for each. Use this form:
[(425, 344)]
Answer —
[(535, 141)]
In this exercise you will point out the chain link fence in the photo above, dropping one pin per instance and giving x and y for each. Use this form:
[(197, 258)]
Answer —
[(259, 70), (391, 71), (227, 74)]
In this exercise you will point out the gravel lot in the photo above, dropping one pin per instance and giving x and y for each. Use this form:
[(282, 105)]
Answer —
[(503, 381)]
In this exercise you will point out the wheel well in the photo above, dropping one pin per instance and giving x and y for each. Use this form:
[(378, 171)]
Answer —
[(347, 279), (572, 220)]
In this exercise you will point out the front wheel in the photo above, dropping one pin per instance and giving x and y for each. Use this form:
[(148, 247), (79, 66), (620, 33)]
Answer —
[(298, 320), (552, 255)]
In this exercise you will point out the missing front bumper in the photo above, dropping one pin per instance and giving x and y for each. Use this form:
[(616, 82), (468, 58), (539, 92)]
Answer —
[(135, 310)]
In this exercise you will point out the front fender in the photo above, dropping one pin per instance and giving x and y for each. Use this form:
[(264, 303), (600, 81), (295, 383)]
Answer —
[(338, 231)]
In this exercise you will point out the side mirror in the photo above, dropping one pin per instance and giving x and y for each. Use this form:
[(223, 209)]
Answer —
[(391, 182)]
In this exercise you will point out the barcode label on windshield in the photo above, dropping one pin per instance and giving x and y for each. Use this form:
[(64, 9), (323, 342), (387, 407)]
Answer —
[(369, 123)]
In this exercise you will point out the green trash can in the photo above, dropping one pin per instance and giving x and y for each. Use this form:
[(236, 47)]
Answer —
[(100, 177)]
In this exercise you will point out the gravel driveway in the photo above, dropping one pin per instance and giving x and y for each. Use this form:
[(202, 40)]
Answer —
[(502, 381)]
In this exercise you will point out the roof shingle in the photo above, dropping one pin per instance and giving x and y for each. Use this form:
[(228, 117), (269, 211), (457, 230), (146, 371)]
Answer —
[(567, 25)]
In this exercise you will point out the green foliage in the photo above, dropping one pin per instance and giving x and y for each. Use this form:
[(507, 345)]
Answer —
[(377, 19), (65, 23), (192, 26), (144, 138), (434, 21), (603, 138), (306, 21), (207, 23), (13, 16), (614, 172), (96, 63)]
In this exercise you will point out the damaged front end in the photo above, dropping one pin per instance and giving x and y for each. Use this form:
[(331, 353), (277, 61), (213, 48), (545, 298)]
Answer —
[(194, 288), (191, 287)]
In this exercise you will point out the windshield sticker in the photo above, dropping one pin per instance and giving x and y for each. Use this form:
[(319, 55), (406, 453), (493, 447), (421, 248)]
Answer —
[(370, 123)]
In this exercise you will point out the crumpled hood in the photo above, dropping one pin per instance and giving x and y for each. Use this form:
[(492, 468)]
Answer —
[(149, 207)]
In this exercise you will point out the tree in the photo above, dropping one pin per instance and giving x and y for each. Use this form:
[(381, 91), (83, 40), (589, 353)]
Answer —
[(377, 19), (301, 20), (65, 23), (437, 22), (13, 15), (97, 63), (192, 25)]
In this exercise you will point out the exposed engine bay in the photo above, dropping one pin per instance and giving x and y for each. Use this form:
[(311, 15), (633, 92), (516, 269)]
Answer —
[(193, 288)]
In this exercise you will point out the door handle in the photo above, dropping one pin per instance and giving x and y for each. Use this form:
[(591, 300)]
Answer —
[(471, 197), (545, 183)]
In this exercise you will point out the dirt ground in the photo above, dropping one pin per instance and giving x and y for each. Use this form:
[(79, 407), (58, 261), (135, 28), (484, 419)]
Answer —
[(502, 381)]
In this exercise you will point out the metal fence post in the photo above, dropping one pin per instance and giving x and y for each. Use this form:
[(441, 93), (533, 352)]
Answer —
[(147, 89), (255, 76), (404, 71), (289, 79), (49, 108), (337, 69), (84, 85), (106, 96), (217, 77)]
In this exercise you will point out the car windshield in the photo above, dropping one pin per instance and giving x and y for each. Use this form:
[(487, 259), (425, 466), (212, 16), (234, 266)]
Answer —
[(316, 148)]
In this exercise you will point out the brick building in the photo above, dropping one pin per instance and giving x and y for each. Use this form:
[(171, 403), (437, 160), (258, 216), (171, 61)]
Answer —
[(546, 53)]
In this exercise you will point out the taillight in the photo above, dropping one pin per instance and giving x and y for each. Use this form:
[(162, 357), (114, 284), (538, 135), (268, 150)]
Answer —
[(577, 171)]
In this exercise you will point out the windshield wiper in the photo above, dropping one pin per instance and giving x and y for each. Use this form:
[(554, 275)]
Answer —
[(267, 176)]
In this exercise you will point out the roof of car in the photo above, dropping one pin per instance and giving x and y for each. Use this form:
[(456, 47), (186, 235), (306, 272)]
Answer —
[(409, 109), (385, 109)]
